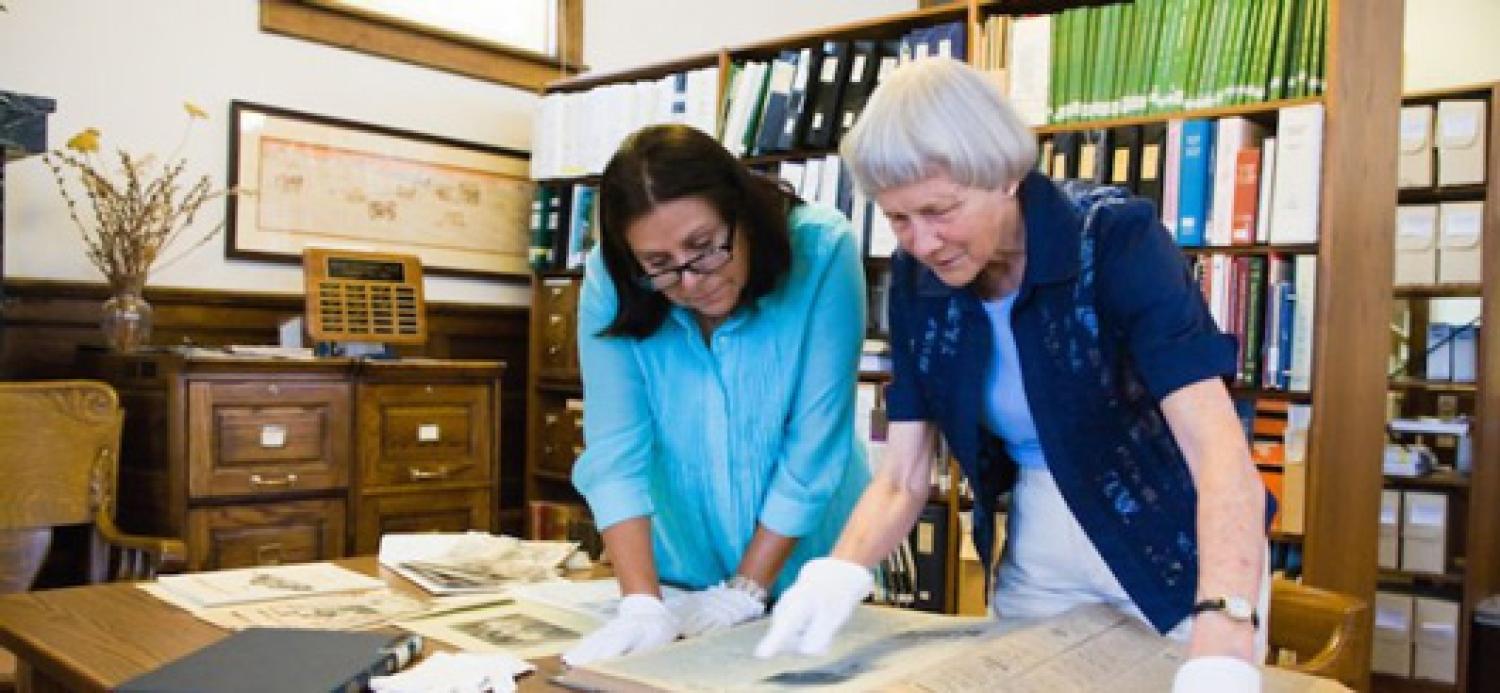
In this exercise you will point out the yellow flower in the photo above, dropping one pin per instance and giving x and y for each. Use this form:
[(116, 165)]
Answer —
[(194, 111), (86, 142)]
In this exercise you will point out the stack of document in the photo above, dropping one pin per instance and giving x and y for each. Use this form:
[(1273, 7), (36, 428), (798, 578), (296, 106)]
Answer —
[(473, 562), (246, 585)]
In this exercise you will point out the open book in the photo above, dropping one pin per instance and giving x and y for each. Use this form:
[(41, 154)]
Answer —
[(1091, 648)]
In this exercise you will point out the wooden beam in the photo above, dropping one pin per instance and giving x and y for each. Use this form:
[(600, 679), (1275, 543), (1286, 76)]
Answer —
[(515, 68)]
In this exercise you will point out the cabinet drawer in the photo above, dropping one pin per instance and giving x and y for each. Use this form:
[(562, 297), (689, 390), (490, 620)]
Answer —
[(266, 437), (414, 434), (427, 511), (561, 437), (557, 351), (240, 536)]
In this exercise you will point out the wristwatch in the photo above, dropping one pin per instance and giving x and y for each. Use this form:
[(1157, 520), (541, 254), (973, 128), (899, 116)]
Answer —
[(748, 586), (1235, 607)]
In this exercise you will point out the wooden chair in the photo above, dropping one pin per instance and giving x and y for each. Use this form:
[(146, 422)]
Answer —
[(1323, 631), (59, 457)]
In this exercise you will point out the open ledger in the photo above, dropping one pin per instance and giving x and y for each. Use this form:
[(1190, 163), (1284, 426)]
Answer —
[(1091, 648)]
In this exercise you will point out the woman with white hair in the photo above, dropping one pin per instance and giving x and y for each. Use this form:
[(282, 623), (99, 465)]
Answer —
[(1053, 336)]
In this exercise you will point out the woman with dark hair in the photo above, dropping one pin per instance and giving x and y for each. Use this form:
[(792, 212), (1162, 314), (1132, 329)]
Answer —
[(719, 330)]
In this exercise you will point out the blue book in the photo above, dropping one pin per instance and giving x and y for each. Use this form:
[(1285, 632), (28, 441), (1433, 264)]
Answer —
[(1196, 186), (1284, 338)]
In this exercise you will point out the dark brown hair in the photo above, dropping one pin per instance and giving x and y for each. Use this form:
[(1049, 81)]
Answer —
[(663, 163)]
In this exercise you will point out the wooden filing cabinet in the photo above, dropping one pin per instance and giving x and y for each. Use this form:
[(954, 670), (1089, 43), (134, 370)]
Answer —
[(261, 461), (556, 327)]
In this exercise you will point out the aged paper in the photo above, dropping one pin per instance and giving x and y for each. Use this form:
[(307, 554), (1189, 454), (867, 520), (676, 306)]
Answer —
[(596, 599), (245, 585), (472, 562), (354, 611), (523, 629), (877, 647), (1091, 648)]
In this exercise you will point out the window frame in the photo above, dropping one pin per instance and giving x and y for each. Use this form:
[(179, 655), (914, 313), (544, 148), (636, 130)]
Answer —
[(513, 67)]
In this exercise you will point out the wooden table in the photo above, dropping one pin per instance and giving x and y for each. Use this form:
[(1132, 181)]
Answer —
[(95, 638)]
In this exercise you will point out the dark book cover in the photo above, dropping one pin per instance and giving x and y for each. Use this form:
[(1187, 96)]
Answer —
[(255, 660)]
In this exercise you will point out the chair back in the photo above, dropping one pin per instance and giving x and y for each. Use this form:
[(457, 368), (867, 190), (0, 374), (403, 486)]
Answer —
[(1323, 633)]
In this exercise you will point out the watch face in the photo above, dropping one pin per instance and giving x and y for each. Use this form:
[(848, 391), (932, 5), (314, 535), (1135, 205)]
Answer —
[(1238, 608)]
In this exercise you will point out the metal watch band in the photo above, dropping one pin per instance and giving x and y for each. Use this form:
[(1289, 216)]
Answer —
[(1222, 604)]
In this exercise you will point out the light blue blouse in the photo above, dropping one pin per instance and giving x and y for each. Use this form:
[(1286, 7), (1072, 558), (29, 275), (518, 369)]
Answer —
[(756, 425), (1007, 414)]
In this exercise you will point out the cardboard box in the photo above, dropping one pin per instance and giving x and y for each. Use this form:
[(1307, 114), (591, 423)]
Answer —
[(1392, 646), (1435, 633), (1390, 529)]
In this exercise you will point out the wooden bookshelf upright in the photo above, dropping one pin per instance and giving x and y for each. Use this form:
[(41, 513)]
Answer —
[(1473, 572), (1354, 250)]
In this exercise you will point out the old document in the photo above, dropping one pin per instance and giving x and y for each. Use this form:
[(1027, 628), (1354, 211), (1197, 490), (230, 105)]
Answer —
[(1092, 648)]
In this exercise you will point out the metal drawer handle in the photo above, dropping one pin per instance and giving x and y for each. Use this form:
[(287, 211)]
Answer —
[(258, 480), (429, 433), (428, 475), (268, 554), (553, 349)]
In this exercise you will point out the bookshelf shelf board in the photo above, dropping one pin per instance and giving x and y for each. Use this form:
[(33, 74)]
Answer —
[(1261, 393), (1432, 385), (1284, 537), (1449, 579), (1459, 193), (884, 26), (1442, 480), (1025, 7), (792, 155), (590, 80), (1464, 290), (587, 179), (1264, 108), (1257, 249), (560, 274)]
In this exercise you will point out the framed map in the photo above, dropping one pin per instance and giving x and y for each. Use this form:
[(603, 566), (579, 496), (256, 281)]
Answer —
[(310, 180)]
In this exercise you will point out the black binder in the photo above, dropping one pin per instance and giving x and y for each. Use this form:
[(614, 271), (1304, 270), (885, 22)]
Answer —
[(1094, 156), (1065, 155), (864, 69), (1125, 157), (1153, 161), (778, 98), (929, 545), (833, 72), (281, 659), (800, 104)]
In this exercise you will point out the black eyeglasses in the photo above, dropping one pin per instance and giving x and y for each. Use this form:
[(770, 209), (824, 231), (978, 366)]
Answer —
[(707, 262)]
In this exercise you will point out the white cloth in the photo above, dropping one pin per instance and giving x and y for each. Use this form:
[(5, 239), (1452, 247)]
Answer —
[(815, 607), (717, 608), (1216, 675), (1050, 565), (456, 672), (641, 623)]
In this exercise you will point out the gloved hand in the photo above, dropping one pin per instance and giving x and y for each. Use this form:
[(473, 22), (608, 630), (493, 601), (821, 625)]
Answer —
[(1217, 674), (717, 608), (642, 623), (816, 605)]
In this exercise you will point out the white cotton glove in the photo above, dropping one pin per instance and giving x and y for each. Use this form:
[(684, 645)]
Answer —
[(717, 608), (816, 605), (1217, 674), (642, 623)]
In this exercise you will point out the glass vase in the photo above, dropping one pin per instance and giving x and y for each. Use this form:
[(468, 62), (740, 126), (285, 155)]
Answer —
[(127, 317)]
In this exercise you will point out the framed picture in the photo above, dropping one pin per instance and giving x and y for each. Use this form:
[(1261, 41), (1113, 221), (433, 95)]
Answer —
[(309, 180)]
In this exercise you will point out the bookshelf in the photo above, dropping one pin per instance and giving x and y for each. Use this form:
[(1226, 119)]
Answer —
[(1472, 569), (1354, 254)]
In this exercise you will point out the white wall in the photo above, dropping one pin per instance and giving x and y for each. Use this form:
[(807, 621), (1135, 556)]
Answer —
[(1451, 42), (126, 67)]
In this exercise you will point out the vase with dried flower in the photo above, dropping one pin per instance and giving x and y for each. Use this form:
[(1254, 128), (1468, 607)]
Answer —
[(137, 211)]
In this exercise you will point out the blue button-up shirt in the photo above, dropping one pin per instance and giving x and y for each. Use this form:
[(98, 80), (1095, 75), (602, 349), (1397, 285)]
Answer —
[(1107, 323), (754, 426)]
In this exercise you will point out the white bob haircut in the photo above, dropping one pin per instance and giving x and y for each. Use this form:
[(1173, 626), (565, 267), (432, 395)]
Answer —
[(938, 115)]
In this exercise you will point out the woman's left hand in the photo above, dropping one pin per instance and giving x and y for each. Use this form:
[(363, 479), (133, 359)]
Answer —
[(717, 608), (1217, 674)]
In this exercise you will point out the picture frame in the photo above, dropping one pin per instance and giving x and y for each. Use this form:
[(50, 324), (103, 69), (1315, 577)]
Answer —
[(307, 180)]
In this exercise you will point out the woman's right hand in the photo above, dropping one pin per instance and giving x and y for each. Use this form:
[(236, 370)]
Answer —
[(815, 607), (642, 623)]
